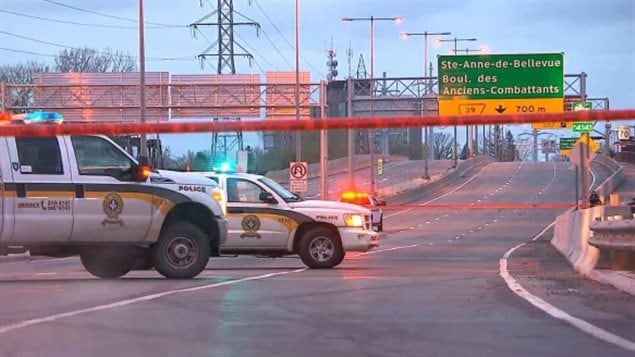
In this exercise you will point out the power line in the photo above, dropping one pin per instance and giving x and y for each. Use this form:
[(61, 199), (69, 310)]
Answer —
[(277, 49), (256, 52), (242, 39), (285, 39), (274, 25), (99, 52), (78, 23), (107, 15), (26, 52), (249, 46), (264, 73)]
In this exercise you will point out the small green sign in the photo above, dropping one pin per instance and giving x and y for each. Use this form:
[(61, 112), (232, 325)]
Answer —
[(567, 143), (582, 127), (501, 76), (581, 106)]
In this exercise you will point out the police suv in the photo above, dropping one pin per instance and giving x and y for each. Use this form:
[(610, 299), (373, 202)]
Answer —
[(83, 194), (266, 219)]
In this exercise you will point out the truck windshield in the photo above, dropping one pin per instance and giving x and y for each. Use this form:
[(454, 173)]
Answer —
[(286, 195)]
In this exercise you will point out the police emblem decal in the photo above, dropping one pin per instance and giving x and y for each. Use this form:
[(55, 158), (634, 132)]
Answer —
[(251, 225), (112, 206)]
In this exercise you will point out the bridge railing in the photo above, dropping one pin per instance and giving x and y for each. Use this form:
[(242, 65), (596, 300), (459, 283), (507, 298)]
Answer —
[(614, 231)]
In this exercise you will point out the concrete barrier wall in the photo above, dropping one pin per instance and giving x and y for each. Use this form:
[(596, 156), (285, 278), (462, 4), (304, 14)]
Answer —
[(439, 182), (571, 237), (336, 166), (610, 184), (572, 233), (363, 161)]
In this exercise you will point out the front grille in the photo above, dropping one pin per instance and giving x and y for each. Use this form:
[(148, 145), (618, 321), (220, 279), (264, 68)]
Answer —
[(368, 224)]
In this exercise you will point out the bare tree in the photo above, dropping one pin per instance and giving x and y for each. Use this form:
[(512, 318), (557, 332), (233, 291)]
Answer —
[(442, 146), (90, 60), (509, 147), (21, 73)]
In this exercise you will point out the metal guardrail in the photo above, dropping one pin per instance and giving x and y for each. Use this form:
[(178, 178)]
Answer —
[(615, 232), (625, 156)]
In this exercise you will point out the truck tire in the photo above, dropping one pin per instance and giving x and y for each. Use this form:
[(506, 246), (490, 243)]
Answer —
[(181, 252), (320, 248), (106, 262)]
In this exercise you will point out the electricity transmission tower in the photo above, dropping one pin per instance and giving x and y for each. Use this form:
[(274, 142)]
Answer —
[(223, 50)]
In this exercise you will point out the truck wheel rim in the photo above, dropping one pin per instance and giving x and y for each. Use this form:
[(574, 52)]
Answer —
[(321, 249), (181, 252)]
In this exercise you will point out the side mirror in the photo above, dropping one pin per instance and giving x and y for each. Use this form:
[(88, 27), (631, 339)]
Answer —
[(142, 171), (381, 203), (267, 197)]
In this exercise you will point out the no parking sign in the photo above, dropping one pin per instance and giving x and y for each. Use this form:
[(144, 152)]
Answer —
[(298, 175)]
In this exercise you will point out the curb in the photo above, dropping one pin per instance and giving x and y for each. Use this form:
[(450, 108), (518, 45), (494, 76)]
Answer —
[(620, 280)]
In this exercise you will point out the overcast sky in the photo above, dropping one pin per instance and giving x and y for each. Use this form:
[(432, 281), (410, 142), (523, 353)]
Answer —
[(596, 37)]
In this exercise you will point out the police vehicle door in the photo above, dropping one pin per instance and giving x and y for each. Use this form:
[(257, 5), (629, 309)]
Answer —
[(109, 205), (42, 189), (252, 222)]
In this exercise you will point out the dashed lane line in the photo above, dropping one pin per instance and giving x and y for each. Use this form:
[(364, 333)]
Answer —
[(444, 195)]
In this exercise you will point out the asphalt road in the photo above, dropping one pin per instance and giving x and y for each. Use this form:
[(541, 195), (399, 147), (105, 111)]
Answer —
[(433, 288)]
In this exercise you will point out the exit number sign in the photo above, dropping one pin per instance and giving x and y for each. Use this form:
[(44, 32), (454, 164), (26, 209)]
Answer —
[(583, 127)]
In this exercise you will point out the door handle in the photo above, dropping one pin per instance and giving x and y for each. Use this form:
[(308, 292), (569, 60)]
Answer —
[(20, 190), (80, 191)]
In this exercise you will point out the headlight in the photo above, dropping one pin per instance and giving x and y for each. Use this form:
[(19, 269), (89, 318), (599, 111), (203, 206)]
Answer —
[(354, 220), (219, 196)]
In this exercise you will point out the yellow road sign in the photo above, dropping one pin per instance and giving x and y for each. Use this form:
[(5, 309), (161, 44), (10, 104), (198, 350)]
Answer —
[(553, 125), (460, 106), (594, 146)]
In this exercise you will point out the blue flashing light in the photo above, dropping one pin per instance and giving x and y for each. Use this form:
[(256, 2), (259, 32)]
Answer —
[(225, 167), (43, 117)]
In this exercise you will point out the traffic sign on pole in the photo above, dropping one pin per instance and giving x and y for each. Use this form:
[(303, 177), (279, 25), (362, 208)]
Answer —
[(583, 127), (501, 84), (298, 175), (581, 106)]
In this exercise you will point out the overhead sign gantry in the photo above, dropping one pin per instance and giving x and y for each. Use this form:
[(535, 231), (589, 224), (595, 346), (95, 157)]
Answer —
[(502, 84)]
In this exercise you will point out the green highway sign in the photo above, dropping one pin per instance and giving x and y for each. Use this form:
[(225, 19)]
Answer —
[(503, 76), (581, 106), (582, 127), (567, 143)]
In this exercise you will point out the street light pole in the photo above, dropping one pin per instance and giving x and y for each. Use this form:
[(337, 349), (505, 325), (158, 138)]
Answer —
[(427, 131), (454, 159), (298, 139), (143, 144), (371, 144)]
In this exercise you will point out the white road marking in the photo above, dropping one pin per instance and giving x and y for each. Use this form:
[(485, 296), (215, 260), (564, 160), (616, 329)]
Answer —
[(55, 317), (51, 260), (444, 195), (580, 324), (390, 249)]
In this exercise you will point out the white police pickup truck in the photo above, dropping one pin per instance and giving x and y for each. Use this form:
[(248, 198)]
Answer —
[(83, 194), (266, 219)]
